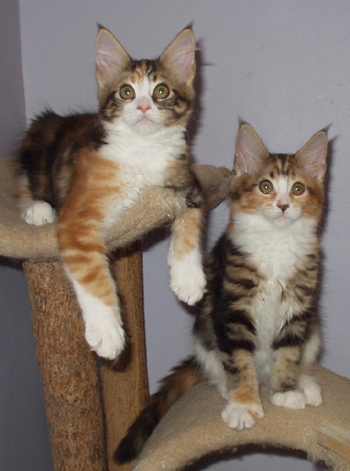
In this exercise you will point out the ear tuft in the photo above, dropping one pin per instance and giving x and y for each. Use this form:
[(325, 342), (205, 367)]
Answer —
[(250, 151), (111, 58), (179, 57), (313, 155)]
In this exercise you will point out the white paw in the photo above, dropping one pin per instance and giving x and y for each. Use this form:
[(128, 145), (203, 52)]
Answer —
[(105, 337), (187, 280), (291, 399), (241, 416), (311, 390), (103, 326), (189, 288), (38, 213)]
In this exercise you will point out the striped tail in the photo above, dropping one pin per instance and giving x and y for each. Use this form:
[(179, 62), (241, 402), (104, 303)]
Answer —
[(181, 380)]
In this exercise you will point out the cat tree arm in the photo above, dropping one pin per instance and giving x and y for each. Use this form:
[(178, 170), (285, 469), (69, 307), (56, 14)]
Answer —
[(193, 430), (156, 207)]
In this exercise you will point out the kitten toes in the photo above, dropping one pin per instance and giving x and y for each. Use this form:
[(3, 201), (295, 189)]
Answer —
[(291, 399), (107, 339), (38, 213), (190, 292), (103, 326), (240, 416), (187, 280), (311, 390)]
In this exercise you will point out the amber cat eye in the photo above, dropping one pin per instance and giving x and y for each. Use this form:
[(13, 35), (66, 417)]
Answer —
[(126, 92), (161, 91), (266, 187), (298, 189)]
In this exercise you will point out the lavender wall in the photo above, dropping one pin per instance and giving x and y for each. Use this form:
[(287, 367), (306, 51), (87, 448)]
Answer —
[(282, 66), (24, 443)]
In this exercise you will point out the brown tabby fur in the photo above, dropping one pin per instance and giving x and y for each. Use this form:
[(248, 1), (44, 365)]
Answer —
[(257, 322)]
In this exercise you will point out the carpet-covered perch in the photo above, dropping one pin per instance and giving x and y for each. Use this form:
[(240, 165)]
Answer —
[(89, 408)]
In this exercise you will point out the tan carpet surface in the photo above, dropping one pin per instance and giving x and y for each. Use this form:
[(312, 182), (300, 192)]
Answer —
[(193, 428)]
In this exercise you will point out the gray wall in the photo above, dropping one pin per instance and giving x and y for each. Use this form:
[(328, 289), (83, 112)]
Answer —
[(24, 443), (12, 107), (282, 66)]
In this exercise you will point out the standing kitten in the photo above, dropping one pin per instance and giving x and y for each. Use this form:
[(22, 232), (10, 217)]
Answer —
[(257, 322), (90, 168)]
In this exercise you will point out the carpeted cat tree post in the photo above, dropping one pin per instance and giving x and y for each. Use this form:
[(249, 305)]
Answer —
[(89, 408), (76, 395)]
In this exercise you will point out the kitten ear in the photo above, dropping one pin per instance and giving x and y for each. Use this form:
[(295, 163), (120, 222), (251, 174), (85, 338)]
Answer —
[(313, 155), (250, 151), (179, 57), (111, 58)]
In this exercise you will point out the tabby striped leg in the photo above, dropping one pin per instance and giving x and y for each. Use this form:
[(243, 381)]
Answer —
[(291, 387), (187, 279), (86, 264), (91, 206), (285, 379), (244, 404)]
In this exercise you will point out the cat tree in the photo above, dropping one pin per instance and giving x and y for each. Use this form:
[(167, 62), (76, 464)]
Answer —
[(90, 406)]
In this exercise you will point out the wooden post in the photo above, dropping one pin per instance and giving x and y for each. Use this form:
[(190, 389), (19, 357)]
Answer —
[(124, 384)]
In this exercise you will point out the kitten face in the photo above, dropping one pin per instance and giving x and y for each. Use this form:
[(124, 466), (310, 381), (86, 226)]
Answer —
[(281, 193), (146, 95), (147, 102), (282, 188), (141, 99)]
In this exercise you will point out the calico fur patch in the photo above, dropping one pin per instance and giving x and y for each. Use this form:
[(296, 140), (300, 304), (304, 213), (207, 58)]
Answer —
[(87, 170)]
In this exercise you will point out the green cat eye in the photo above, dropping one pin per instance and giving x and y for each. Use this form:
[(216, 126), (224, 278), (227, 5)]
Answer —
[(266, 187), (161, 91), (298, 189), (126, 92)]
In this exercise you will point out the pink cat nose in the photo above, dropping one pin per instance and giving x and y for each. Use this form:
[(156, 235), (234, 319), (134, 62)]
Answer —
[(283, 207), (144, 106)]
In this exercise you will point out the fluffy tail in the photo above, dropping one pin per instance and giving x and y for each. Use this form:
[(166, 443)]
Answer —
[(181, 380)]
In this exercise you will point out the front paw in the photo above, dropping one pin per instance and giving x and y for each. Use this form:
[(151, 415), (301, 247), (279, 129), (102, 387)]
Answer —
[(187, 282), (106, 338), (311, 390), (38, 213), (240, 416), (291, 399)]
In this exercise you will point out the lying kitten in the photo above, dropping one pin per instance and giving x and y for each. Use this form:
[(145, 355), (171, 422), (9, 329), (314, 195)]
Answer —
[(257, 322), (90, 168)]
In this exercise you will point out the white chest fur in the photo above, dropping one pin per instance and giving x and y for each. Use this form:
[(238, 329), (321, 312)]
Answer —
[(143, 158), (277, 253), (142, 161)]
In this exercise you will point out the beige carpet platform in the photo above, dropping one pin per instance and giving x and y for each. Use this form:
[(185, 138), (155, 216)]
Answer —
[(90, 406), (193, 428)]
